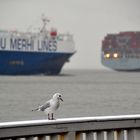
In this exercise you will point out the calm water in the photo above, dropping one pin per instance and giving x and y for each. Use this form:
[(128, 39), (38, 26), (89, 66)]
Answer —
[(85, 93)]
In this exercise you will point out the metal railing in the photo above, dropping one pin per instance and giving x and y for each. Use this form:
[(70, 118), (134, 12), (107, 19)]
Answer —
[(126, 127)]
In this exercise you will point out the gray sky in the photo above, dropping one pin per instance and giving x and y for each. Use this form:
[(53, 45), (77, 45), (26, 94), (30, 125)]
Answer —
[(88, 20)]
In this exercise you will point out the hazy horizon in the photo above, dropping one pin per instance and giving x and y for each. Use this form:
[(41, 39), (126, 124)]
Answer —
[(88, 20)]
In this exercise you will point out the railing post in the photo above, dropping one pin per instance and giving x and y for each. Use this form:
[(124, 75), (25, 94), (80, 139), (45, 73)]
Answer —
[(54, 137), (94, 135), (79, 136), (29, 138), (133, 134), (42, 138), (14, 139), (89, 136), (100, 135), (110, 135), (120, 135), (105, 135), (68, 136)]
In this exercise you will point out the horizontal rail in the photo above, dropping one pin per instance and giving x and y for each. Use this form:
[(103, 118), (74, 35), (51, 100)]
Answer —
[(88, 127)]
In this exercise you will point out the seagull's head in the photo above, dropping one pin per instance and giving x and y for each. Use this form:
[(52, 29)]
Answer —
[(57, 96)]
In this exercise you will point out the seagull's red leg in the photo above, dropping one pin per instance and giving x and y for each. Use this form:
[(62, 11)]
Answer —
[(48, 116), (53, 117)]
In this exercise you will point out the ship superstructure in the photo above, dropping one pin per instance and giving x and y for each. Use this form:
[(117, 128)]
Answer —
[(43, 52), (121, 51)]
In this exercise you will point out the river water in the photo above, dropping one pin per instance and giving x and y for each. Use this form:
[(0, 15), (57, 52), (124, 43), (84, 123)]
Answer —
[(85, 93)]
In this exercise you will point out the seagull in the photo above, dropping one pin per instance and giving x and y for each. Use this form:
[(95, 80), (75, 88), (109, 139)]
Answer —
[(50, 106)]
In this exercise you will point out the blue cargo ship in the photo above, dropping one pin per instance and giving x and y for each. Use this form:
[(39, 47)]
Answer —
[(27, 53)]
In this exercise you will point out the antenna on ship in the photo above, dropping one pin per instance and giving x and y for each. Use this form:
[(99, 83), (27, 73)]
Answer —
[(45, 20)]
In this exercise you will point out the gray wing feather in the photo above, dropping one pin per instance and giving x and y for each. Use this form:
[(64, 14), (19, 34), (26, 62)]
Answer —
[(45, 106)]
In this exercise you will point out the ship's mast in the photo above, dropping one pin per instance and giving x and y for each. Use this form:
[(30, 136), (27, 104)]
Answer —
[(45, 20)]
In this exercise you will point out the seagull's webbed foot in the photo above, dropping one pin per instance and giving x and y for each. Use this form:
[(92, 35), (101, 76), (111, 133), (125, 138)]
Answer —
[(49, 117)]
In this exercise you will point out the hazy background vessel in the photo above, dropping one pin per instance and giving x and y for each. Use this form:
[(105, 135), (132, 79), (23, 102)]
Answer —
[(121, 51), (43, 52)]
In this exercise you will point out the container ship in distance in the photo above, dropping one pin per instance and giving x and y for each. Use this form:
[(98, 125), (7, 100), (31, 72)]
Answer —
[(44, 52), (121, 51)]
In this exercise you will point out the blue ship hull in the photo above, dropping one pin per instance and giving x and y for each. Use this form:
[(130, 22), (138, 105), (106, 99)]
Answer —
[(28, 63)]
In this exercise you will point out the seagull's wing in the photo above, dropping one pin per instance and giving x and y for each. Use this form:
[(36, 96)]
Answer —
[(45, 106), (42, 107)]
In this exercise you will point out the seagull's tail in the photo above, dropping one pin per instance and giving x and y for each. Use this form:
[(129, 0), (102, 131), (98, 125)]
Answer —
[(36, 109)]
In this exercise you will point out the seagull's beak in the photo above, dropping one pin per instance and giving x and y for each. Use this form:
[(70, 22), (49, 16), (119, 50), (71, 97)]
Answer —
[(61, 99)]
